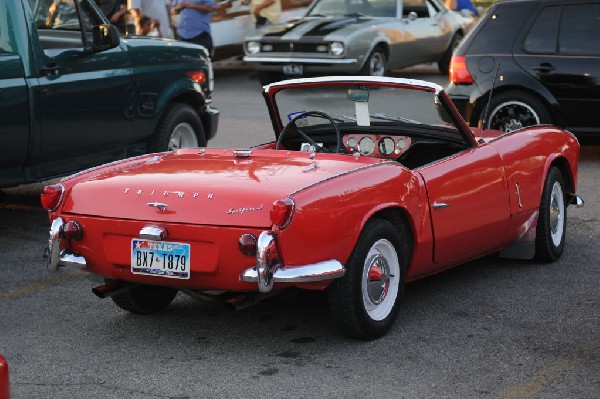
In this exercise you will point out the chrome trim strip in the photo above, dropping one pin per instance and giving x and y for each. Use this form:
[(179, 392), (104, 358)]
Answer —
[(294, 60), (327, 270), (54, 244), (68, 258), (357, 79)]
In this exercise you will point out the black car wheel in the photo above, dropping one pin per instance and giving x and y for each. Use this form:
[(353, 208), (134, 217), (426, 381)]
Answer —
[(180, 127), (375, 64), (145, 299), (552, 220), (514, 110), (444, 62), (365, 302)]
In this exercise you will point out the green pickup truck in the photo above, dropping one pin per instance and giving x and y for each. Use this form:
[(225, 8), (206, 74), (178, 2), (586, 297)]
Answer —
[(75, 94)]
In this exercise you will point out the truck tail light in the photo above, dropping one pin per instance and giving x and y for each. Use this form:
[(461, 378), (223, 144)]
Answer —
[(459, 73), (52, 196), (197, 76), (282, 212)]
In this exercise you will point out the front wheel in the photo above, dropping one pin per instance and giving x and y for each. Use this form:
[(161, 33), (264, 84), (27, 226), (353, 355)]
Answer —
[(444, 62), (365, 302), (552, 220), (180, 127), (145, 299), (375, 64)]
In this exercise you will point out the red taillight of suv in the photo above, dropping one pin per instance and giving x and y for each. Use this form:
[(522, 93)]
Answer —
[(459, 73), (197, 76), (52, 196)]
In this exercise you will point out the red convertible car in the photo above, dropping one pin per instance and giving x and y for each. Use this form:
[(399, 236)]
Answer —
[(371, 183)]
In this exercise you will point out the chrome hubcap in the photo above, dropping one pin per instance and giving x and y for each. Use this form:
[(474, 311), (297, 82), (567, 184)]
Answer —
[(183, 136), (557, 209), (380, 280), (513, 115)]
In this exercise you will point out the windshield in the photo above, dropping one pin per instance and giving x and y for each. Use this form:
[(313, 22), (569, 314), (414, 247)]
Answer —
[(375, 8), (362, 105)]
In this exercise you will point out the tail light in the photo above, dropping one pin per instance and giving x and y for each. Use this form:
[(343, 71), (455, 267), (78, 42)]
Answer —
[(247, 244), (72, 231), (197, 76), (52, 196), (459, 73), (282, 212)]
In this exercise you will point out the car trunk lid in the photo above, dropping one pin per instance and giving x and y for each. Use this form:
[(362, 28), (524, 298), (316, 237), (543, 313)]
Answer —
[(208, 186)]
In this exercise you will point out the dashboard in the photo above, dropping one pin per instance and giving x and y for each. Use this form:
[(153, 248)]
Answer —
[(376, 145)]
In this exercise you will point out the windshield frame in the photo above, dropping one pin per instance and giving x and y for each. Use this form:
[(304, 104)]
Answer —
[(270, 93)]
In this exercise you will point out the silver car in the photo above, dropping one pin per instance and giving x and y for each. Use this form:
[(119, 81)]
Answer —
[(367, 37)]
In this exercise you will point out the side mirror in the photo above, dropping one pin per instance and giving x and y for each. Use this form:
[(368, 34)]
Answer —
[(104, 37)]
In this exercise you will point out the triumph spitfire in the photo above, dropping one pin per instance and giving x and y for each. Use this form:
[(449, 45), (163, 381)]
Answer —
[(369, 183)]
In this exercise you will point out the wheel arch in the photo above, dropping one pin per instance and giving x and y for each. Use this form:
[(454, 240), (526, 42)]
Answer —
[(401, 220), (562, 164), (383, 45)]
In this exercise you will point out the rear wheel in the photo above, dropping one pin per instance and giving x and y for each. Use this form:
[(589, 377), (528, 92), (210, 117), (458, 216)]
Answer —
[(375, 64), (514, 110), (145, 299), (552, 220), (365, 302), (180, 127)]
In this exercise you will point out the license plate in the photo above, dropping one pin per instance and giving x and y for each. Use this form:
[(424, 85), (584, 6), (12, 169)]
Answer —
[(160, 258), (293, 69)]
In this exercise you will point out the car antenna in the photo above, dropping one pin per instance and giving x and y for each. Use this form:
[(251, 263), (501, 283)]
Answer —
[(487, 105)]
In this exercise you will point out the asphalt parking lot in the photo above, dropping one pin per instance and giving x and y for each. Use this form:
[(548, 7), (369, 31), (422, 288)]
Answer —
[(493, 328)]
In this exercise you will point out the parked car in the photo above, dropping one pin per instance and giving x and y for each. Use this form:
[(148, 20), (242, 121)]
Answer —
[(73, 94), (531, 62), (365, 37), (364, 188)]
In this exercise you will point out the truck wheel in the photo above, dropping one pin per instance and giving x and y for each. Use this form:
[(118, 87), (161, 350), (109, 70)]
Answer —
[(180, 127), (365, 302), (552, 220), (145, 299)]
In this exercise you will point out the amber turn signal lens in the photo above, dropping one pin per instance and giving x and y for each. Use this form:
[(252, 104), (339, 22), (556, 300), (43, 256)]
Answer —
[(52, 196)]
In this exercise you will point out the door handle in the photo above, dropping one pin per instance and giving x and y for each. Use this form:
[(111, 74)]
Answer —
[(50, 69), (439, 205), (544, 67)]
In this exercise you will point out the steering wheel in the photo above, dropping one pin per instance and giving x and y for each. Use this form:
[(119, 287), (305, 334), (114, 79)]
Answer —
[(291, 127)]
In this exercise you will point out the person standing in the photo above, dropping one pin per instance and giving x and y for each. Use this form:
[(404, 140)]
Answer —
[(194, 22), (156, 10), (116, 12), (458, 5)]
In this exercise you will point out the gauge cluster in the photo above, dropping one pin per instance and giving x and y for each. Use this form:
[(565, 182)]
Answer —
[(377, 145)]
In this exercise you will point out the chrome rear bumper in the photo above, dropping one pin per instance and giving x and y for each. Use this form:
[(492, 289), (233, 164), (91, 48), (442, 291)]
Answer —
[(269, 270)]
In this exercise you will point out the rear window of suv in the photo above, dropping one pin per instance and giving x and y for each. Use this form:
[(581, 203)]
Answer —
[(569, 29), (498, 31)]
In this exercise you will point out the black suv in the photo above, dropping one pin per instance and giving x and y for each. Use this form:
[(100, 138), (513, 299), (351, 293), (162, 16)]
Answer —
[(540, 60)]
